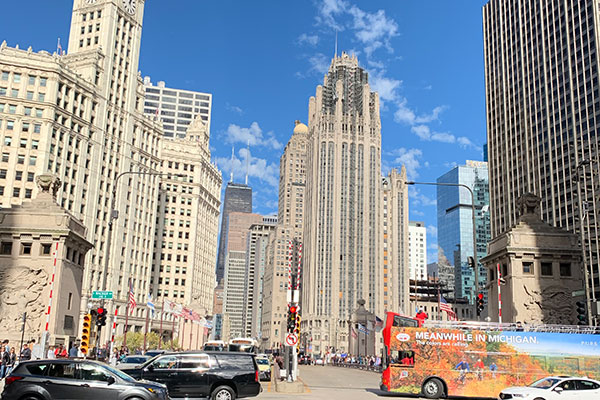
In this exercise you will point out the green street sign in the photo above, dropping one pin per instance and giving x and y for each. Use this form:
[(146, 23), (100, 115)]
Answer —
[(578, 293), (102, 294)]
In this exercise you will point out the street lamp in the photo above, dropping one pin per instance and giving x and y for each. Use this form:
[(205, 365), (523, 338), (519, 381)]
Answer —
[(475, 261), (580, 167)]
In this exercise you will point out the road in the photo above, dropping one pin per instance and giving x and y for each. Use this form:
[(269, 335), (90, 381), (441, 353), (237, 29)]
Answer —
[(328, 383)]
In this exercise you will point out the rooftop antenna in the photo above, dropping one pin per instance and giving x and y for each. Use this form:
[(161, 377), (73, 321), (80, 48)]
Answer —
[(247, 162), (232, 155), (335, 51)]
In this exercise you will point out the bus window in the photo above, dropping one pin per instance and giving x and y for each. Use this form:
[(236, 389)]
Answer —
[(403, 321), (402, 358)]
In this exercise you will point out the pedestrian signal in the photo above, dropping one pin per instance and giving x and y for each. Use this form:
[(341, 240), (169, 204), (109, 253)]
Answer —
[(582, 318), (85, 333)]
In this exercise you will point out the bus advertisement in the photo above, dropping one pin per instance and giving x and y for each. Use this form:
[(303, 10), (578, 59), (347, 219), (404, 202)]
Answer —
[(481, 359)]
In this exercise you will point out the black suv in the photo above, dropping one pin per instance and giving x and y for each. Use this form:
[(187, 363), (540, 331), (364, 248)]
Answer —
[(76, 379), (215, 374)]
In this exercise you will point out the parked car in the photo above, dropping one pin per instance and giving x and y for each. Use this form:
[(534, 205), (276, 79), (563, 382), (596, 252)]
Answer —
[(76, 379), (305, 359), (264, 367), (218, 375), (132, 361), (319, 360), (555, 387)]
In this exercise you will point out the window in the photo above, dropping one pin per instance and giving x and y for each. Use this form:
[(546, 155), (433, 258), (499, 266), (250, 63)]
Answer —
[(32, 160), (37, 128), (93, 373), (28, 193), (43, 82), (41, 97), (19, 175), (29, 95), (5, 157), (21, 159), (17, 78), (194, 362), (16, 192), (587, 385), (23, 143), (167, 362), (403, 358), (528, 267), (26, 248), (4, 76), (30, 176), (565, 269), (546, 269), (61, 370), (32, 80), (46, 249), (6, 248), (27, 110)]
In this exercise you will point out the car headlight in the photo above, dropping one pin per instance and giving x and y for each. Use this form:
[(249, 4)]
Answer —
[(153, 390)]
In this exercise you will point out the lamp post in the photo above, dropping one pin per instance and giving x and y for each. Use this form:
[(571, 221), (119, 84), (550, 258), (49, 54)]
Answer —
[(476, 265), (588, 302), (113, 216)]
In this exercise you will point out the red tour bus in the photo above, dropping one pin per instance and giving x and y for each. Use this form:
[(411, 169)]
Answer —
[(464, 358)]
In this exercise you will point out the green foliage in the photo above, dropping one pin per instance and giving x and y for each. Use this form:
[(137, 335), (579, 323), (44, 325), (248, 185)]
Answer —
[(135, 340)]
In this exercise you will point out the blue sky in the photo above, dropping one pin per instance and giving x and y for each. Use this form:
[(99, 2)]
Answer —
[(262, 60)]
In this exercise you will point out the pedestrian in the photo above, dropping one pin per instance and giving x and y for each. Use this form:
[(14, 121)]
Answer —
[(13, 360), (50, 354), (25, 353), (74, 350), (4, 361)]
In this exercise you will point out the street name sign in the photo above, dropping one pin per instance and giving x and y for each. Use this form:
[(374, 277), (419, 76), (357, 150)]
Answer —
[(102, 294)]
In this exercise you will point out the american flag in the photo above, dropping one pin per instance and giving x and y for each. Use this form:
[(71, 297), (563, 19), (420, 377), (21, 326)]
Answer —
[(132, 303), (444, 306)]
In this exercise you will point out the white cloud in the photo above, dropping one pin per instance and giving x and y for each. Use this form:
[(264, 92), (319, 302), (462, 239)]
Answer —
[(419, 199), (428, 87), (432, 231), (410, 159), (418, 213), (373, 29), (386, 87), (252, 136), (235, 109), (328, 10), (256, 167), (311, 40), (319, 63), (425, 133)]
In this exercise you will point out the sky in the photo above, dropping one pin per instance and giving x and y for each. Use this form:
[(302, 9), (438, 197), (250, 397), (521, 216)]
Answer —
[(262, 60)]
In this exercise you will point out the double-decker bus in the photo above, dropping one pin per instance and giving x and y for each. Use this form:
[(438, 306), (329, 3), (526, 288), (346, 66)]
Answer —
[(246, 345), (439, 359)]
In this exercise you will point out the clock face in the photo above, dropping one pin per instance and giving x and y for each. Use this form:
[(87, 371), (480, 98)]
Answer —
[(130, 6)]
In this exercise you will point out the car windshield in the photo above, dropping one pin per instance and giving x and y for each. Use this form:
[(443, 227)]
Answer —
[(262, 361), (119, 373), (545, 383)]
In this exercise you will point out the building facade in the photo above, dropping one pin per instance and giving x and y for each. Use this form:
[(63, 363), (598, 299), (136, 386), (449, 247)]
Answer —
[(395, 240), (342, 249), (238, 198), (417, 250), (80, 116), (42, 251), (176, 109), (234, 284), (258, 239), (543, 112), (290, 226), (455, 224), (185, 246)]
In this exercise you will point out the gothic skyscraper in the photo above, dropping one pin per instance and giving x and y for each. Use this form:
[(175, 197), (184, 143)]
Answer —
[(342, 245)]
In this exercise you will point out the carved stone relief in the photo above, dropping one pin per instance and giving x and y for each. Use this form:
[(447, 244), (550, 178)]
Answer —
[(551, 305)]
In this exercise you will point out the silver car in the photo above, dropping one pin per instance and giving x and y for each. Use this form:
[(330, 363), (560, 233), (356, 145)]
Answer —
[(76, 379)]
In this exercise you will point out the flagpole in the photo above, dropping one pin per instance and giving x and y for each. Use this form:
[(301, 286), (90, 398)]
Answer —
[(146, 331), (439, 299), (182, 336), (191, 331), (127, 317), (173, 332), (162, 309)]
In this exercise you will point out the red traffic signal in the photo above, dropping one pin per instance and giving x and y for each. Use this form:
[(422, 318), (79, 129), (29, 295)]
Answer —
[(100, 310), (480, 296), (293, 309)]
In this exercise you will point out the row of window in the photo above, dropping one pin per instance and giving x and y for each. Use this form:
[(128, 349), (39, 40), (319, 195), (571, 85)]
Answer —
[(30, 95), (184, 95), (31, 79)]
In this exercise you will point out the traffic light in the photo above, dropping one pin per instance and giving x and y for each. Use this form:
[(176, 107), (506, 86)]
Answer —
[(101, 317), (85, 333), (480, 303), (582, 318), (292, 314), (471, 262), (297, 327)]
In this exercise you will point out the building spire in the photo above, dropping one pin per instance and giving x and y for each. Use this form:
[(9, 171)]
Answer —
[(247, 162), (232, 155), (335, 51)]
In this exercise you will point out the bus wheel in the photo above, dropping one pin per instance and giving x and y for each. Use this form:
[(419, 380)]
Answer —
[(433, 389)]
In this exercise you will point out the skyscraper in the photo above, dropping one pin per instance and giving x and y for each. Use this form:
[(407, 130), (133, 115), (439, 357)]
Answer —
[(455, 224), (342, 253), (290, 223), (543, 114), (417, 250), (176, 109), (238, 198)]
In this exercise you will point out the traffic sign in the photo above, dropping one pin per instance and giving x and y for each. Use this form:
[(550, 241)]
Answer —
[(102, 294), (578, 293), (291, 339)]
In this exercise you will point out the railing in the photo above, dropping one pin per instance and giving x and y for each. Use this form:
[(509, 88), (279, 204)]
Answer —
[(356, 365)]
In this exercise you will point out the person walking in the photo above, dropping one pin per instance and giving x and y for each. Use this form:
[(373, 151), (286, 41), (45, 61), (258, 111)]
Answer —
[(50, 353), (4, 361), (12, 360), (25, 353), (74, 350)]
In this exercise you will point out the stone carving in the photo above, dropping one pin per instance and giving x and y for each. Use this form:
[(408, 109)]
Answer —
[(21, 290), (528, 203), (551, 305), (48, 184)]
